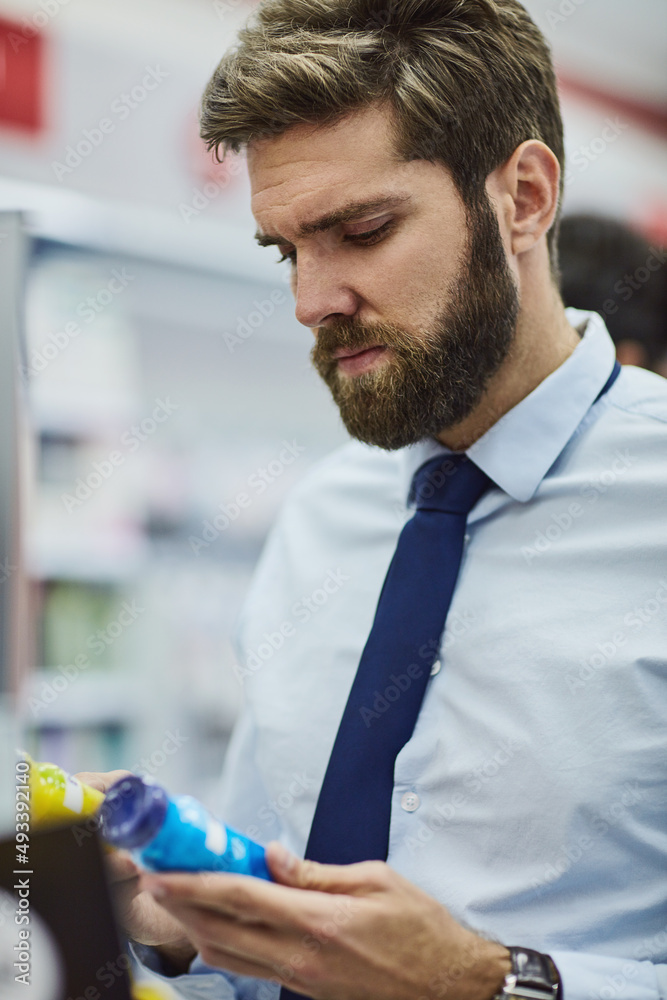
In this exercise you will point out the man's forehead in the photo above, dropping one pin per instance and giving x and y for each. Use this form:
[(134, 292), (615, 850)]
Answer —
[(319, 168)]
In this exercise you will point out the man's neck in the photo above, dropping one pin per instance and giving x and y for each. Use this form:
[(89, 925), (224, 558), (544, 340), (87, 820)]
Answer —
[(540, 347)]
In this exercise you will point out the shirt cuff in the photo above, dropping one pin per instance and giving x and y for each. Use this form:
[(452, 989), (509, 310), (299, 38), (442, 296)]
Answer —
[(197, 984), (585, 976)]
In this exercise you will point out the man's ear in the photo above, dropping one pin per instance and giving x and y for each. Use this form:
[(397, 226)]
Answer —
[(526, 189)]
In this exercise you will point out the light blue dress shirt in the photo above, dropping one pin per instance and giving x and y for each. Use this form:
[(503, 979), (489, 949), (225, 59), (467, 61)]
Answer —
[(531, 800)]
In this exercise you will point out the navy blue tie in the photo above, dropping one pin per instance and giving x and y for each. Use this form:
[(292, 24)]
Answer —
[(351, 821)]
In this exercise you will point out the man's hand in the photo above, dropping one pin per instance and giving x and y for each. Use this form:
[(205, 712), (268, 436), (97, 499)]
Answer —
[(349, 932), (142, 918)]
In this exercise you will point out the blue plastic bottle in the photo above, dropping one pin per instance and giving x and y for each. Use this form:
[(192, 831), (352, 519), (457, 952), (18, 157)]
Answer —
[(175, 834)]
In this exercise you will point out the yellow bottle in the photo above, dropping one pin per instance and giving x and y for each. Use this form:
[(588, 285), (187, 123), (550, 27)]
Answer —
[(152, 991), (57, 797)]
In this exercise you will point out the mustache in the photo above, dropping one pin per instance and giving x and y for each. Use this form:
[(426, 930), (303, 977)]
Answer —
[(355, 336)]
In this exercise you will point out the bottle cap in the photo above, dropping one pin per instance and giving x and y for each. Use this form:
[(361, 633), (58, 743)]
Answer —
[(133, 812)]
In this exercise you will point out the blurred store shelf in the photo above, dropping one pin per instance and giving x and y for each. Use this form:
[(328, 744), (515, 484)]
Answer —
[(138, 230)]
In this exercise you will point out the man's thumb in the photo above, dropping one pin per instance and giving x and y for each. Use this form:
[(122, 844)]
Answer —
[(290, 870)]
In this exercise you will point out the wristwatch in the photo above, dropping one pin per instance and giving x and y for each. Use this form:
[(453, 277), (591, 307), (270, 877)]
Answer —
[(533, 977)]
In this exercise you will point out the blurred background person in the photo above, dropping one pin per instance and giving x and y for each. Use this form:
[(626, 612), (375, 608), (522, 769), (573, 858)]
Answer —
[(609, 268)]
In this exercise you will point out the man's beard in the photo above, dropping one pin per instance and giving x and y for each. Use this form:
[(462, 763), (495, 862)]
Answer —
[(432, 381)]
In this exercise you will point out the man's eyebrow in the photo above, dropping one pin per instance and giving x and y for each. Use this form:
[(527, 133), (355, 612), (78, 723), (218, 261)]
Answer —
[(347, 213)]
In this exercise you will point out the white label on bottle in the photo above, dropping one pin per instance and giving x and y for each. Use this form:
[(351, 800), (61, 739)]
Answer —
[(239, 850), (73, 799), (216, 837)]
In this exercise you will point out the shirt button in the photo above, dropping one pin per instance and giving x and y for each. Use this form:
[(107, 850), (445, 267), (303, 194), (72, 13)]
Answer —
[(436, 668), (410, 802), (466, 539)]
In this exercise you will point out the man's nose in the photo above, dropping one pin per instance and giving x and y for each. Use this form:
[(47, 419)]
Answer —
[(322, 294)]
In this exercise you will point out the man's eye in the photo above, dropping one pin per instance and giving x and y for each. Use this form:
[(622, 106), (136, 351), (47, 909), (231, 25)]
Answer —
[(372, 236), (362, 239)]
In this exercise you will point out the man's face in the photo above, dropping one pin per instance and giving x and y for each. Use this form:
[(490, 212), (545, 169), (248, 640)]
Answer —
[(410, 296)]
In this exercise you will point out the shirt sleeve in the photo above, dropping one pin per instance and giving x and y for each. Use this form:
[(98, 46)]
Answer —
[(586, 976), (199, 983)]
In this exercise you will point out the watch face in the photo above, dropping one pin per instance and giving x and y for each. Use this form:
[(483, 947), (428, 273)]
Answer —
[(533, 976)]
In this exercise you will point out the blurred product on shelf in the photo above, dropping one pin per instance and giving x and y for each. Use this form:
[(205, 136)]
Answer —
[(175, 834), (55, 796), (610, 268), (76, 621)]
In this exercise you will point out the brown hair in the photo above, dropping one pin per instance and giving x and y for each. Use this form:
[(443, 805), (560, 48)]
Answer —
[(469, 80)]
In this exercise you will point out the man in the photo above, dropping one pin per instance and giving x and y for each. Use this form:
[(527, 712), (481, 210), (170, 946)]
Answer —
[(407, 158), (607, 267)]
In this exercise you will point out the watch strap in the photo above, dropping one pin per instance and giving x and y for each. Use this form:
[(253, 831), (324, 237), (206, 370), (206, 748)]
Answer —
[(533, 977)]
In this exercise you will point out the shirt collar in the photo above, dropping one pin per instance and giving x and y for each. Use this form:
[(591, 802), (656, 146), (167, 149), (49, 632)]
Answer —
[(520, 448)]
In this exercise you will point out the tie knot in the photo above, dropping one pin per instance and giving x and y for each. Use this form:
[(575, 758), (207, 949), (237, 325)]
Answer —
[(449, 483)]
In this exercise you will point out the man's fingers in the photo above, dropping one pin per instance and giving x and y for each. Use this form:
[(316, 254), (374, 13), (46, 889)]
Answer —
[(258, 945), (283, 972), (101, 780), (247, 899), (121, 866), (365, 877)]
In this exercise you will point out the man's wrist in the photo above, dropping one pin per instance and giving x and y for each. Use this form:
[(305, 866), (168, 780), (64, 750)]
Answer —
[(498, 967), (486, 964), (176, 958), (166, 960)]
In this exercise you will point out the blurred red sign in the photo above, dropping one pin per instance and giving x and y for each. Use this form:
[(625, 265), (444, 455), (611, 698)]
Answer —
[(21, 72)]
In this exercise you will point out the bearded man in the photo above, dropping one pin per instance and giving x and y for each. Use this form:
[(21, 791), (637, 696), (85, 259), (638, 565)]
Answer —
[(462, 723)]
